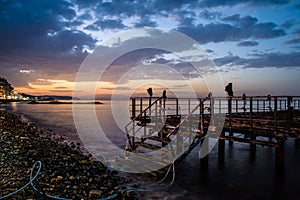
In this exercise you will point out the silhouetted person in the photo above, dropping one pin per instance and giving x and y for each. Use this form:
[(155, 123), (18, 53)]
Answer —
[(228, 89), (209, 94), (164, 94), (269, 100), (150, 92)]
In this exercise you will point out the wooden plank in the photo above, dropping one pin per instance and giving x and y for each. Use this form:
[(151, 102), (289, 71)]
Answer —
[(159, 139), (245, 140)]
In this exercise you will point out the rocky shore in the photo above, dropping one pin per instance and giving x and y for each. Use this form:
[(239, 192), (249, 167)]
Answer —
[(65, 172)]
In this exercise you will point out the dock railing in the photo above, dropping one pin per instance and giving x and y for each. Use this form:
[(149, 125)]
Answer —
[(276, 113)]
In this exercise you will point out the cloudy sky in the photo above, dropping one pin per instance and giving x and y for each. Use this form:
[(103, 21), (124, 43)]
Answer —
[(255, 44)]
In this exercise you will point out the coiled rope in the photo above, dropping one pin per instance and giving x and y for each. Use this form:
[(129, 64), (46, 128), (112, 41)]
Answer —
[(32, 178), (39, 163)]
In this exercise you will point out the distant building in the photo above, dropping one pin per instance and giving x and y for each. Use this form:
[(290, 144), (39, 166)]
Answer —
[(6, 90)]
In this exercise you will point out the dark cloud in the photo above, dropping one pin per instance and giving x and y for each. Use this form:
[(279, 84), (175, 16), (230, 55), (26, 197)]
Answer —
[(209, 15), (145, 22), (40, 28), (241, 21), (126, 8), (216, 3), (168, 5), (293, 41), (228, 60), (296, 39), (263, 60), (288, 24), (69, 41), (38, 36), (85, 16), (106, 24), (297, 32), (186, 21), (44, 36), (236, 28), (247, 44)]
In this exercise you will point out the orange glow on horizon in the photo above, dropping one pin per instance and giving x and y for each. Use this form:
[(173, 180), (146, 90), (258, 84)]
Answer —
[(106, 89)]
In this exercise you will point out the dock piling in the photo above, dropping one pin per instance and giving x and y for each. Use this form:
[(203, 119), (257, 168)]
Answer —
[(279, 156)]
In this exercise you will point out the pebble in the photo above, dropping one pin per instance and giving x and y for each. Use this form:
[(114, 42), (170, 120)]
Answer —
[(65, 172), (96, 192)]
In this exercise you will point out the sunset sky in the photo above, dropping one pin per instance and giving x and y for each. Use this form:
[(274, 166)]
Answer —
[(254, 44)]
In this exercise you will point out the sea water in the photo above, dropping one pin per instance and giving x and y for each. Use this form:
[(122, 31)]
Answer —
[(239, 177)]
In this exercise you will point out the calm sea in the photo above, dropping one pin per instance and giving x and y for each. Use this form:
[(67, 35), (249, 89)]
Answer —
[(240, 177)]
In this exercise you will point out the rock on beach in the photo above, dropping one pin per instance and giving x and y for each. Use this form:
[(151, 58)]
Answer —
[(66, 172)]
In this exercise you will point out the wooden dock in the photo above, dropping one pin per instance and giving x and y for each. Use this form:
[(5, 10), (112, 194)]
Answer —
[(173, 127)]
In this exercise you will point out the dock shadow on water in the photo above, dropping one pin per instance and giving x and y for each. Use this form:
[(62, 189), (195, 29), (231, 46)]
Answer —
[(240, 174)]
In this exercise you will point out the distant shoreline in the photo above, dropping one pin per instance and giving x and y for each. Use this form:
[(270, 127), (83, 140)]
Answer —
[(4, 101), (63, 102)]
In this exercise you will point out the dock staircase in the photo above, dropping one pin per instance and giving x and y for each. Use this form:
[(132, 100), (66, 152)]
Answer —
[(163, 131), (159, 134)]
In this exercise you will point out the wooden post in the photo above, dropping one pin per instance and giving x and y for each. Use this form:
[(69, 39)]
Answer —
[(150, 100), (297, 142), (236, 106), (177, 107), (285, 106), (156, 119), (220, 106), (251, 114), (212, 110), (133, 108), (141, 106), (230, 117), (252, 134), (190, 122), (221, 151), (290, 117), (275, 115), (189, 106), (133, 135), (204, 160), (229, 105), (201, 116), (279, 156), (280, 105)]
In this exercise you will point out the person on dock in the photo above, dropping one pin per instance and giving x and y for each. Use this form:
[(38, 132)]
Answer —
[(269, 100), (229, 90)]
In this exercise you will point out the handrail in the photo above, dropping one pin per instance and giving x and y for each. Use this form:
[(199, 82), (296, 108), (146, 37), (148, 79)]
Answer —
[(186, 117), (231, 105), (256, 97), (147, 108)]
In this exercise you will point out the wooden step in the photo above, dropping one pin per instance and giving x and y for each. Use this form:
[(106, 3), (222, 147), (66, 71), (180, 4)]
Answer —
[(159, 139), (148, 146)]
